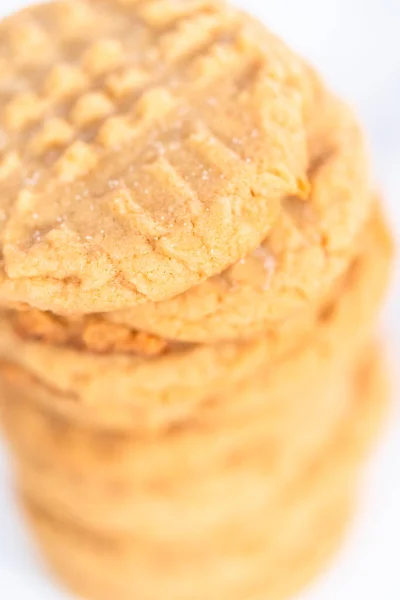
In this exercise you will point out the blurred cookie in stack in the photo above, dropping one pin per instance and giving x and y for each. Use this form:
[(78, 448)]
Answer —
[(270, 551), (193, 260)]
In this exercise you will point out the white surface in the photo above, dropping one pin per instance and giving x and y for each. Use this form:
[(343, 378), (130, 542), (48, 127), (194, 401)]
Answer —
[(357, 45)]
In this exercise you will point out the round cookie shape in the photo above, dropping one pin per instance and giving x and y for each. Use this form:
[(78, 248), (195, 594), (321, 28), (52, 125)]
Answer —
[(144, 147), (122, 390), (309, 245)]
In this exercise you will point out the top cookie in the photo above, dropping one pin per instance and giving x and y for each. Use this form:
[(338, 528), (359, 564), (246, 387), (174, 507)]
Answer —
[(144, 147), (311, 243)]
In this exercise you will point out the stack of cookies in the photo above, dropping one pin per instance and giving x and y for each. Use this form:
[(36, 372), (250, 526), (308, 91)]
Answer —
[(192, 262)]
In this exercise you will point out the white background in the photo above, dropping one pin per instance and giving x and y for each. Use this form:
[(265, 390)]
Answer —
[(356, 43)]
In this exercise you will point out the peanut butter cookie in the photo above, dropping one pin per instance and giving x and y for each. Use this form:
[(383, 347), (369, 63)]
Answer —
[(247, 555), (144, 147), (127, 390), (310, 244)]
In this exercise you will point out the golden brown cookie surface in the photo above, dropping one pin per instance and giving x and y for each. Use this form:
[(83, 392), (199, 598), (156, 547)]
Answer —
[(143, 148), (124, 390), (310, 243)]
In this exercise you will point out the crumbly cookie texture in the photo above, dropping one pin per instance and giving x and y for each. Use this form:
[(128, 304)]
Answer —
[(92, 333), (125, 390), (309, 245), (144, 147), (109, 333)]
